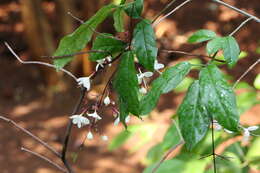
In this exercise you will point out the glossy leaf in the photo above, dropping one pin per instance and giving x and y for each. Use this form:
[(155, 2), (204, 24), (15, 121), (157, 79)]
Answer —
[(144, 44), (218, 97), (119, 20), (108, 45), (168, 80), (202, 35), (125, 83), (123, 111), (77, 40), (214, 45), (135, 10), (231, 50), (193, 117)]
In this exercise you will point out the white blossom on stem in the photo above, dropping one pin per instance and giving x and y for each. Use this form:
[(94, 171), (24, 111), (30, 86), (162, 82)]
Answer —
[(90, 135), (100, 63), (246, 134), (117, 120), (127, 119), (85, 82), (107, 100), (142, 90), (158, 66), (218, 127), (79, 120), (95, 115), (141, 76)]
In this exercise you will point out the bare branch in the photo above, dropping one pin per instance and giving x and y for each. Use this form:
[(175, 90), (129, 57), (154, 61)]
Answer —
[(238, 10), (31, 135), (163, 10), (246, 72), (76, 18), (241, 25), (45, 159), (38, 62), (171, 12)]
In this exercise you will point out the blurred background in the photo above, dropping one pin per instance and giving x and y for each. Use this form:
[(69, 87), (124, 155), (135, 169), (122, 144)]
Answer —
[(40, 99)]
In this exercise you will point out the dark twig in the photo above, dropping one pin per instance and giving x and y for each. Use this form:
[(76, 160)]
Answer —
[(68, 131), (163, 10), (213, 146), (31, 135), (190, 54), (238, 10), (45, 159)]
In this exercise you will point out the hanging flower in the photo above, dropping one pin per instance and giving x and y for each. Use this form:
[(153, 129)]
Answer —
[(143, 90), (90, 135), (127, 119), (79, 120), (104, 138), (218, 127), (141, 76), (100, 63), (247, 131), (158, 66), (95, 115), (85, 82), (107, 100), (117, 120)]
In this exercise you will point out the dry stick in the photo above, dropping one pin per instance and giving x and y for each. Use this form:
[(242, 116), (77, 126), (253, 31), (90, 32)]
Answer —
[(238, 10), (38, 62), (246, 72), (170, 150), (168, 14), (163, 10), (68, 131), (31, 135), (240, 26), (45, 159)]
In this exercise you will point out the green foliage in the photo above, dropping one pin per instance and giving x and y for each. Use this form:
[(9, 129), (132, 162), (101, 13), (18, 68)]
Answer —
[(125, 83), (77, 40), (202, 35), (169, 79), (119, 20), (218, 97), (257, 82), (135, 10), (107, 45), (144, 44)]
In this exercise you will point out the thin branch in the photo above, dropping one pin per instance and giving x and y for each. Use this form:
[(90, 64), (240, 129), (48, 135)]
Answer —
[(74, 17), (241, 25), (246, 72), (171, 149), (38, 62), (238, 10), (190, 54), (171, 12), (31, 135), (213, 146), (45, 159), (68, 131), (163, 10)]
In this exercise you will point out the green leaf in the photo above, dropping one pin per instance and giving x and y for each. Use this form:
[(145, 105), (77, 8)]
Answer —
[(168, 80), (77, 40), (231, 50), (202, 35), (135, 10), (193, 117), (125, 83), (144, 44), (218, 97), (257, 82), (107, 44), (123, 111), (119, 20), (214, 45)]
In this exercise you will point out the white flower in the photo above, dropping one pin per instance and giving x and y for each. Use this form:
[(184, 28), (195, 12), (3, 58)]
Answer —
[(158, 66), (117, 120), (218, 127), (90, 135), (95, 115), (247, 131), (127, 119), (107, 101), (104, 138), (79, 120), (141, 75), (100, 63), (85, 82), (143, 90)]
